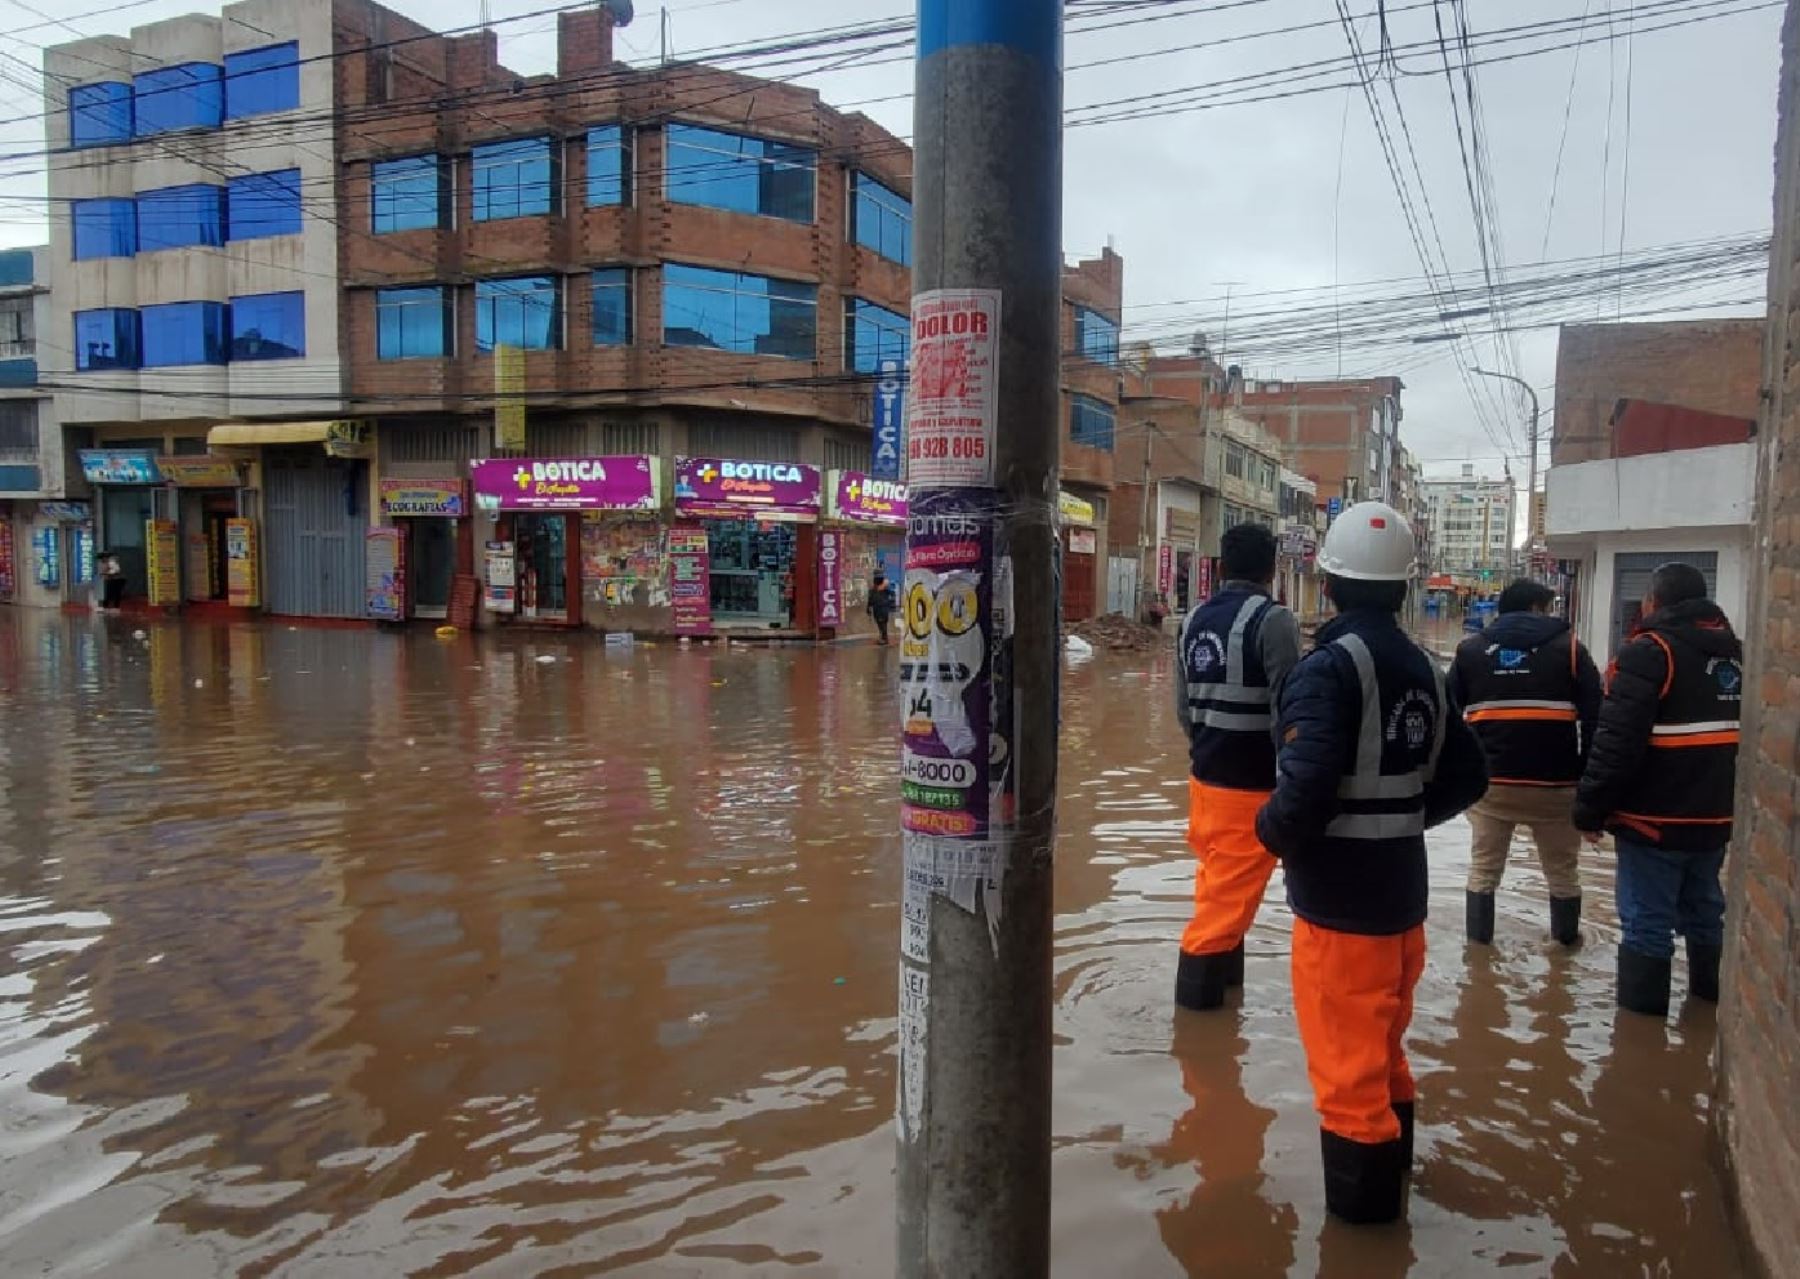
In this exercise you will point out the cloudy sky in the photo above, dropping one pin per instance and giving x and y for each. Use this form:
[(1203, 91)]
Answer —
[(1646, 138)]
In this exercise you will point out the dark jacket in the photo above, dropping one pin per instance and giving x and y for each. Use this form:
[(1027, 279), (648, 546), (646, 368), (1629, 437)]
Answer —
[(1663, 766), (1233, 652), (881, 601), (1532, 694), (1350, 809)]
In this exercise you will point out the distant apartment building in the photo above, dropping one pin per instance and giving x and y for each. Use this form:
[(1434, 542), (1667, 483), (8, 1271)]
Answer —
[(1471, 524), (46, 543), (334, 282), (1297, 577)]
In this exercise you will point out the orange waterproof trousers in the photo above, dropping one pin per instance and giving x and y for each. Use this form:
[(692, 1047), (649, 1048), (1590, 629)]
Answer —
[(1353, 997), (1234, 866)]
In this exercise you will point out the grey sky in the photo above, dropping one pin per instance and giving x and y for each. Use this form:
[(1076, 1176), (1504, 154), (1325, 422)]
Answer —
[(1249, 194)]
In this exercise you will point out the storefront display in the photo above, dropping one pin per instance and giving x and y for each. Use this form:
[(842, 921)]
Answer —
[(758, 518), (502, 570), (162, 547), (872, 514), (128, 484), (384, 560)]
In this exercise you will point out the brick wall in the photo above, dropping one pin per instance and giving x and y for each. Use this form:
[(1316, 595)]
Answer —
[(1759, 1019), (1711, 365)]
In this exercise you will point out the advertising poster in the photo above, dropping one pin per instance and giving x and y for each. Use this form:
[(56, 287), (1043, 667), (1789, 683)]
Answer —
[(890, 420), (509, 399), (867, 500), (502, 578), (243, 577), (718, 488), (945, 667), (831, 578), (953, 398), (82, 571), (444, 499), (1165, 570), (1204, 573), (162, 553), (690, 579), (568, 484), (119, 466), (201, 472), (49, 558), (384, 558), (8, 583)]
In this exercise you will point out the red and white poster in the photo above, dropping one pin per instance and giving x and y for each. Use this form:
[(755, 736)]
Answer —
[(954, 395), (831, 578), (1165, 570), (1206, 588), (8, 584)]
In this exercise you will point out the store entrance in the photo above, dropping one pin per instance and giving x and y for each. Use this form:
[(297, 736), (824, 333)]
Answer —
[(123, 512), (431, 560), (543, 566), (752, 572)]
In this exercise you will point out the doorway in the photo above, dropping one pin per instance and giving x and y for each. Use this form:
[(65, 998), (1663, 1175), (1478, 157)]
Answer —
[(431, 560), (124, 512), (543, 556), (752, 565)]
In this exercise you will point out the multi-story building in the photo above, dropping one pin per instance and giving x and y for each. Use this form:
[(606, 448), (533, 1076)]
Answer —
[(1301, 519), (628, 331), (46, 543), (1471, 523)]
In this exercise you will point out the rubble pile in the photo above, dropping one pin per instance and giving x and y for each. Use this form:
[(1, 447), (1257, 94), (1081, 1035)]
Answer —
[(1119, 634)]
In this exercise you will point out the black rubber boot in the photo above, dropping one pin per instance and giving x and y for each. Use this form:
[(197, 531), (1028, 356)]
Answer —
[(1703, 971), (1643, 983), (1403, 1111), (1200, 981), (1565, 920), (1234, 966), (1365, 1183), (1480, 912)]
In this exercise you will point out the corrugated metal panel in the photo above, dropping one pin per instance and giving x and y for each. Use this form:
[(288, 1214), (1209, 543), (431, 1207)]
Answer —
[(743, 441), (630, 438), (316, 525), (556, 439), (449, 442)]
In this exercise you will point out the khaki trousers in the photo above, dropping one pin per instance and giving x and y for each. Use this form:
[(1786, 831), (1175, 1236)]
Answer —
[(1546, 810)]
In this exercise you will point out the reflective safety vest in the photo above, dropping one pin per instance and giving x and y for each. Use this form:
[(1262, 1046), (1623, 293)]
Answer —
[(1230, 734), (1399, 738), (1682, 794), (1521, 704)]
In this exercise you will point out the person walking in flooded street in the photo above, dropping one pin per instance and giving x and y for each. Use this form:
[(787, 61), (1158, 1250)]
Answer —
[(1660, 778), (1532, 694), (1372, 751), (1234, 650), (881, 606)]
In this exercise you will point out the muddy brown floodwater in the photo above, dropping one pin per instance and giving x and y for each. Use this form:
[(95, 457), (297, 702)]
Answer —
[(333, 953)]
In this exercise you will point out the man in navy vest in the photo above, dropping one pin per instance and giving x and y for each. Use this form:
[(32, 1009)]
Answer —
[(1661, 777), (1234, 651), (1373, 750)]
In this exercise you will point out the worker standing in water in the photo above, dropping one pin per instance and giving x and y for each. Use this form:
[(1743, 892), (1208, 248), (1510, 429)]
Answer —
[(1233, 653), (1372, 751)]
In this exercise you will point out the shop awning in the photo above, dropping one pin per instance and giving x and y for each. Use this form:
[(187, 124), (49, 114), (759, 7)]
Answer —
[(253, 433)]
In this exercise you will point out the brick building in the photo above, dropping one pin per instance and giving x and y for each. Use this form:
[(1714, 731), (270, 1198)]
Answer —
[(1759, 1018)]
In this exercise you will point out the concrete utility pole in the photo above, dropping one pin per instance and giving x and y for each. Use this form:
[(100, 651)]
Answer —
[(984, 428), (1145, 594), (1531, 461)]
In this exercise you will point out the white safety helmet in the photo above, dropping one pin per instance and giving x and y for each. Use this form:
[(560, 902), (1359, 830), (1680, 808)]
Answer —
[(1369, 542)]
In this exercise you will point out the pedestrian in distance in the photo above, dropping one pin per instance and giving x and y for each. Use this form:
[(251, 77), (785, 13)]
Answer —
[(1233, 652), (112, 581), (1660, 778), (881, 606), (1532, 694), (1373, 750)]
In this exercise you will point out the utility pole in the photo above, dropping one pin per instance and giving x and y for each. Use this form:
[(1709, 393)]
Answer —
[(981, 656), (1144, 539), (1531, 461)]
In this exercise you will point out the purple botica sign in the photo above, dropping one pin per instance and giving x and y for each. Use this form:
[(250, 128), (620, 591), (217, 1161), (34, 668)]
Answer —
[(566, 484), (746, 490), (868, 501)]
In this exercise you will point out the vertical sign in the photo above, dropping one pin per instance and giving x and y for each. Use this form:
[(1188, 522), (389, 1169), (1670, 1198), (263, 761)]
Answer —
[(81, 572), (162, 549), (831, 577), (890, 406), (953, 402), (1165, 570), (1204, 570), (385, 574), (8, 583), (509, 399), (243, 576), (690, 579), (49, 557)]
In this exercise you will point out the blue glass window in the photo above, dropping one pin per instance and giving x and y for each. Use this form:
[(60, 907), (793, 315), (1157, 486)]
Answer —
[(187, 96), (99, 114), (406, 195), (1096, 337), (106, 339), (875, 334), (413, 324), (612, 307), (178, 333), (264, 204), (745, 175), (258, 81), (609, 165), (881, 219), (523, 312), (1091, 422), (175, 217), (268, 326), (104, 228), (732, 311), (513, 179)]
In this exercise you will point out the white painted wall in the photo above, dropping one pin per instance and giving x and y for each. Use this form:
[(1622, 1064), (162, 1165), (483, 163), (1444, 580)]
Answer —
[(1732, 591), (1690, 488)]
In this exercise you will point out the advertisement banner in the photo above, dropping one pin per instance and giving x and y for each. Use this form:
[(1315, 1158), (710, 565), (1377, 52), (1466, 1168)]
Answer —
[(243, 573), (162, 554), (945, 664), (46, 544), (890, 420), (349, 439), (953, 396), (82, 571), (690, 579), (119, 466), (866, 500), (1074, 510), (1165, 570), (66, 512), (567, 484), (8, 582), (509, 399), (384, 559), (447, 499), (831, 578), (501, 593), (202, 471), (723, 489), (1204, 578)]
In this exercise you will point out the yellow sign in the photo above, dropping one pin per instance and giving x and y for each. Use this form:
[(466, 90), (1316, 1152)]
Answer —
[(162, 550), (1074, 510), (200, 471), (243, 583), (509, 399), (349, 439)]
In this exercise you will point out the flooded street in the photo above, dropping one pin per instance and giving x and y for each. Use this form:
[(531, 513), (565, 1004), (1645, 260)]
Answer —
[(334, 953)]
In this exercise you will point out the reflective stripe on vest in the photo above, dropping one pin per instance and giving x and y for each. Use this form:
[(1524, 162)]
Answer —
[(1367, 781), (1255, 716), (1718, 732), (1521, 709)]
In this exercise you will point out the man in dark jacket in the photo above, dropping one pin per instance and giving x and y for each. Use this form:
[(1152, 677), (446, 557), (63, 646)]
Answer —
[(1372, 751), (1531, 693), (1660, 777)]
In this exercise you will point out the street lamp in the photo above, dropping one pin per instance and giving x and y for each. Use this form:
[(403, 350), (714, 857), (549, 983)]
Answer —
[(1531, 463)]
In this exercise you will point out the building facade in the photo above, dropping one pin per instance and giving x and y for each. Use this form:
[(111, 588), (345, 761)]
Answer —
[(47, 548), (1301, 524), (1470, 519)]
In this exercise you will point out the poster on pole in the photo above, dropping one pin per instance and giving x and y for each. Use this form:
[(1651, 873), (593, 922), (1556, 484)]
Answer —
[(953, 396)]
